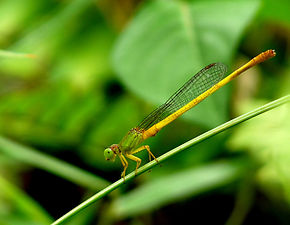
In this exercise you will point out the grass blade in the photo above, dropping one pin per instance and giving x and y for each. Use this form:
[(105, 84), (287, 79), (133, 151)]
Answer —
[(53, 165), (9, 54)]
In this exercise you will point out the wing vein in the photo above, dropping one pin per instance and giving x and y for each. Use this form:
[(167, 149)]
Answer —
[(195, 86)]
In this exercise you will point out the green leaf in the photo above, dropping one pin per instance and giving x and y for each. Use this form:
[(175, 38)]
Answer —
[(87, 63), (267, 139), (277, 10), (46, 38), (174, 187), (168, 42), (14, 15)]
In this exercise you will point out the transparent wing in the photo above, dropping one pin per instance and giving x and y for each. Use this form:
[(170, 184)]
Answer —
[(199, 83)]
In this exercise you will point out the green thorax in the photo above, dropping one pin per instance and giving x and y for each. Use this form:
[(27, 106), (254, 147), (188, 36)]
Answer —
[(132, 139)]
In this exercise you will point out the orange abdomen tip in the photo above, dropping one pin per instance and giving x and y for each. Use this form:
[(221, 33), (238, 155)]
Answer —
[(262, 57), (272, 52), (267, 55)]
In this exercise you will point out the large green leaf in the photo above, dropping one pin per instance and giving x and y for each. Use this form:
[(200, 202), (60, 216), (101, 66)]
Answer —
[(267, 139), (277, 11), (178, 186), (168, 41)]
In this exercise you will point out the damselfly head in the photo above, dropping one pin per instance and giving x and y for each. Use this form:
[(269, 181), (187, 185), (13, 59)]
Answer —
[(110, 153)]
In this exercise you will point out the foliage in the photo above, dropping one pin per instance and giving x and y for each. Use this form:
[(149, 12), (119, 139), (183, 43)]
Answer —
[(76, 75)]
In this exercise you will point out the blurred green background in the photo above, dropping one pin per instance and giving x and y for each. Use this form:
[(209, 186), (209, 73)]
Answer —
[(95, 68)]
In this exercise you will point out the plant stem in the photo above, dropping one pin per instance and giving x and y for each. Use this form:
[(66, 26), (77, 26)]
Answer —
[(10, 54), (171, 153)]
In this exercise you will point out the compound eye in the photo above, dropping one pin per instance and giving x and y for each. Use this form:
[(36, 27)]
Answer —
[(109, 154)]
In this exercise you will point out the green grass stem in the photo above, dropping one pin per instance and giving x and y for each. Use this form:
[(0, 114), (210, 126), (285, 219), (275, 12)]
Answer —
[(51, 164)]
